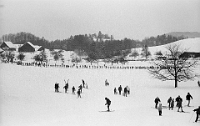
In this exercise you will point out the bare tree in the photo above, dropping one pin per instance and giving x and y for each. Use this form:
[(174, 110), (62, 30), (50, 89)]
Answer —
[(21, 57), (145, 52), (175, 66), (134, 53)]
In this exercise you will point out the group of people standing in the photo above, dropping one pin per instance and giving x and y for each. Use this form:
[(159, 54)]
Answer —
[(126, 90), (171, 101), (179, 105), (66, 87)]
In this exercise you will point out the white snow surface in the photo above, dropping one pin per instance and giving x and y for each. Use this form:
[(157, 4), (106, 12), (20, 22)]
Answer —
[(27, 98), (188, 45)]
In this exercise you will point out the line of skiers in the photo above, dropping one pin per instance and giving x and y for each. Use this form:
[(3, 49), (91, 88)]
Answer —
[(80, 88), (126, 90), (179, 100)]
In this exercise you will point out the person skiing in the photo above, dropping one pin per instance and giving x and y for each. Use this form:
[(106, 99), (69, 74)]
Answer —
[(125, 92), (108, 102), (115, 90), (106, 83), (83, 83), (188, 97), (160, 108), (197, 113), (156, 101), (80, 88), (128, 90), (56, 87), (66, 87), (179, 101), (73, 90), (172, 104), (79, 93), (120, 89), (169, 102)]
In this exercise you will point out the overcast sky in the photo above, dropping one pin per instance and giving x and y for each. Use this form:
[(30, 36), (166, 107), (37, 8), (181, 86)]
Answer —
[(135, 19)]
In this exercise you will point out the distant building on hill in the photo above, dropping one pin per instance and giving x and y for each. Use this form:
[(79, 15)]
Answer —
[(9, 46), (29, 47), (190, 54)]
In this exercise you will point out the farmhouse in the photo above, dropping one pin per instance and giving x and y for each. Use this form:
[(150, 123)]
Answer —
[(8, 46), (29, 47)]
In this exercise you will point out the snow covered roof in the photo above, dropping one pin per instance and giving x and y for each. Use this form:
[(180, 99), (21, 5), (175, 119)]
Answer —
[(34, 46), (10, 44)]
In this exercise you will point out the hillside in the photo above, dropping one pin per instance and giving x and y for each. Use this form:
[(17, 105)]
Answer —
[(185, 34), (190, 45)]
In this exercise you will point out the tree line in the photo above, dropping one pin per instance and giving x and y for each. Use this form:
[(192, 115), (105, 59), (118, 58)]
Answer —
[(96, 46)]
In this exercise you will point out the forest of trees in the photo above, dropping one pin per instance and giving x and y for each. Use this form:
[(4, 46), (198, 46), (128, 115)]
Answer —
[(97, 46)]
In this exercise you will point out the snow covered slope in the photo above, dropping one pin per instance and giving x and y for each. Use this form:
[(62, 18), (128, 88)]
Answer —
[(190, 45), (27, 98)]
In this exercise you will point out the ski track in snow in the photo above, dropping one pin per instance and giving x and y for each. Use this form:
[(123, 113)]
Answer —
[(28, 98)]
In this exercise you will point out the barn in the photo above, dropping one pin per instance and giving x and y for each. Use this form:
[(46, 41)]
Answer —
[(29, 47), (8, 46)]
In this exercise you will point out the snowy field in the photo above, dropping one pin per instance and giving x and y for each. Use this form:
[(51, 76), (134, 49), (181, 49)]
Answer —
[(28, 99)]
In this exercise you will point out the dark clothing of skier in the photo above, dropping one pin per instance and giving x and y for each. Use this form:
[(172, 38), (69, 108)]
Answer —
[(80, 88), (106, 83), (56, 87), (79, 93), (120, 89), (197, 113), (83, 83), (172, 104), (169, 102), (115, 90), (188, 98), (73, 90), (159, 108), (125, 92), (179, 101), (156, 101), (128, 90), (108, 102), (66, 87)]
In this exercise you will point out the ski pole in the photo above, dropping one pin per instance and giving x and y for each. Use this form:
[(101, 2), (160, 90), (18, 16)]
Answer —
[(191, 117)]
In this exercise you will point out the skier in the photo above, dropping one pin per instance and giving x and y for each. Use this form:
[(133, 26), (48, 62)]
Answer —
[(115, 90), (56, 87), (108, 102), (120, 89), (79, 93), (80, 88), (83, 83), (106, 83), (160, 108), (198, 82), (179, 101), (169, 102), (128, 89), (156, 101), (197, 112), (172, 104), (66, 87), (188, 97), (73, 90), (125, 92)]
